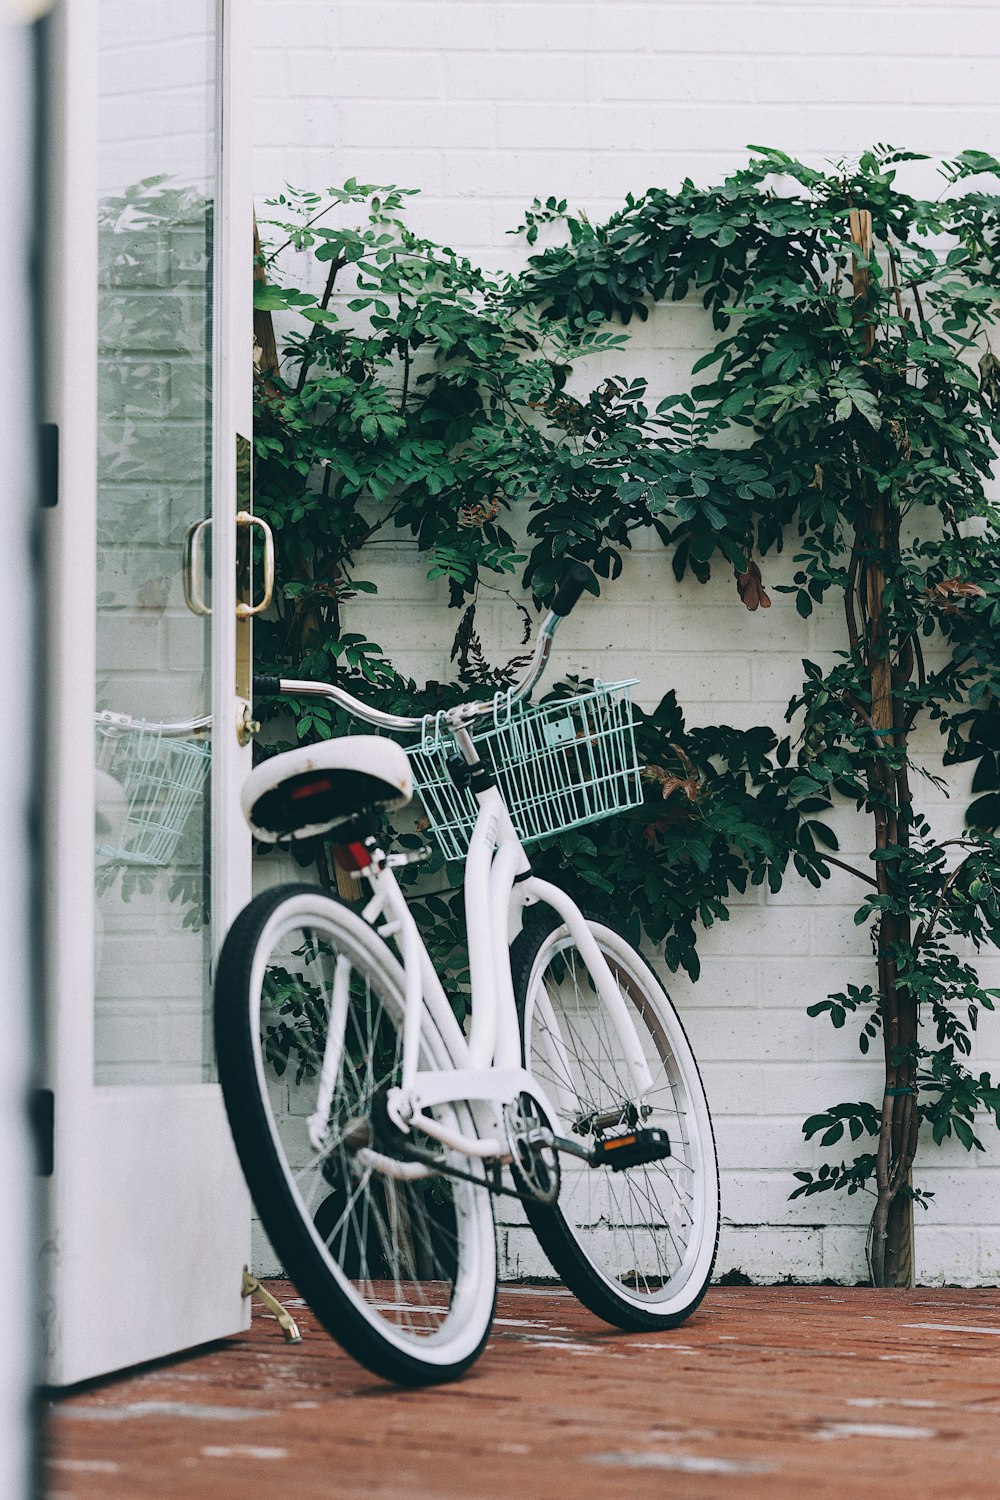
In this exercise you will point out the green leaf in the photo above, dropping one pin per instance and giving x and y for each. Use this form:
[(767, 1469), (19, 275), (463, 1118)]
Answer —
[(269, 298), (824, 834), (867, 405)]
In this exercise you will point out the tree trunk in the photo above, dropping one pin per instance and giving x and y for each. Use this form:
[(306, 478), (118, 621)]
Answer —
[(891, 1249), (890, 1244)]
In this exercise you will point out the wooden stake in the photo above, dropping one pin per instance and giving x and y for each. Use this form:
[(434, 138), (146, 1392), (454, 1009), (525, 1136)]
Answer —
[(861, 234), (265, 345)]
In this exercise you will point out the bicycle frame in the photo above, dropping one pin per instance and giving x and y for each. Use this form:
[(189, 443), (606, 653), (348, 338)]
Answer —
[(498, 880), (498, 886)]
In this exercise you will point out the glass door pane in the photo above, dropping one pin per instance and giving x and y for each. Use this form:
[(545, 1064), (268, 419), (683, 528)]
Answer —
[(157, 178)]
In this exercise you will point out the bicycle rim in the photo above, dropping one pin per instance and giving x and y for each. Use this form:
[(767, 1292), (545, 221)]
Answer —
[(400, 1269)]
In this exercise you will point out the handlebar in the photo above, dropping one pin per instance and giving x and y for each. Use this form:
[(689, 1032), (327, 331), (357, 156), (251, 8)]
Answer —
[(566, 597), (108, 721)]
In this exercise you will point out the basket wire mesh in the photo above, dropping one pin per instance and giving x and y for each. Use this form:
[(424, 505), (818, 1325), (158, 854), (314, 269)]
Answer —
[(162, 781), (559, 765)]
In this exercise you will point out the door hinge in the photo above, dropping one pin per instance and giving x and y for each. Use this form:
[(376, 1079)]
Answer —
[(252, 1287), (43, 1113), (48, 464)]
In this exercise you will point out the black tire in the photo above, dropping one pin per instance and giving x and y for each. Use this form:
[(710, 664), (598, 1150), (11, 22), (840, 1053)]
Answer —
[(401, 1271), (636, 1246)]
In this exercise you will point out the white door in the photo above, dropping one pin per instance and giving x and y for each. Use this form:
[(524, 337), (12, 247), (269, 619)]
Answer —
[(149, 244)]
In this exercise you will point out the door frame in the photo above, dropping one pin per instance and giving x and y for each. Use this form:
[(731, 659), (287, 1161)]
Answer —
[(130, 1279), (20, 616)]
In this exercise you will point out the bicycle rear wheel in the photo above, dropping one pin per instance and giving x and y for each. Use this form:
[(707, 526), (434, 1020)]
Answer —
[(637, 1245), (396, 1260)]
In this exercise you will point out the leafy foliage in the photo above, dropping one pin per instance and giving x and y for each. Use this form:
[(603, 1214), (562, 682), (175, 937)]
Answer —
[(426, 398), (853, 367), (850, 405), (717, 818)]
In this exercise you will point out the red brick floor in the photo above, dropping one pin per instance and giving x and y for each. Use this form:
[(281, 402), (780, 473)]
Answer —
[(767, 1392)]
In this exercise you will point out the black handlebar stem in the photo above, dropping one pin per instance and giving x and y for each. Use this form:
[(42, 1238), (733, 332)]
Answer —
[(569, 591)]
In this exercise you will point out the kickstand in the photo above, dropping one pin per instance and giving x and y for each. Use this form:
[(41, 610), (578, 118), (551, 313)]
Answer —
[(252, 1287)]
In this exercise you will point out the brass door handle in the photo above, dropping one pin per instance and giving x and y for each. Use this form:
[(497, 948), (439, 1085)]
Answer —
[(193, 569), (244, 611)]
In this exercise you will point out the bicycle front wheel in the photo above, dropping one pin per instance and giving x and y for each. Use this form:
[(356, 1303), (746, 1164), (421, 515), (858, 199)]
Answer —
[(637, 1245), (396, 1260)]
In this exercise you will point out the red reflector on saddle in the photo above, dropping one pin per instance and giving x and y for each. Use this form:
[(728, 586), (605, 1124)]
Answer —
[(310, 788), (356, 856)]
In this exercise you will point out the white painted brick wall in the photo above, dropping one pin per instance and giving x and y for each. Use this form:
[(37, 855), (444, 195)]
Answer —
[(485, 105)]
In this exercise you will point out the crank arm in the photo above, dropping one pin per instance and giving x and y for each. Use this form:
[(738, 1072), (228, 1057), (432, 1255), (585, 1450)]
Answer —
[(632, 1149), (571, 1148)]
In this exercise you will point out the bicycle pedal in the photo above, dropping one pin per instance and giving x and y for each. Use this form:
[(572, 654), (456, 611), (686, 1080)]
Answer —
[(633, 1149)]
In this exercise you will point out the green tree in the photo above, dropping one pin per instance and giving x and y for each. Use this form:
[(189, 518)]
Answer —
[(853, 367)]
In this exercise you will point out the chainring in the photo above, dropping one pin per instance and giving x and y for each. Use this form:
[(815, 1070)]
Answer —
[(534, 1158)]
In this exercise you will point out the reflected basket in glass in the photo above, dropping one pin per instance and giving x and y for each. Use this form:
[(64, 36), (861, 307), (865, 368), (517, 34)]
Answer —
[(160, 781)]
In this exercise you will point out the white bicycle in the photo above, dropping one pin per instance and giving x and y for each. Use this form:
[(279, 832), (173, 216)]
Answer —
[(374, 1134)]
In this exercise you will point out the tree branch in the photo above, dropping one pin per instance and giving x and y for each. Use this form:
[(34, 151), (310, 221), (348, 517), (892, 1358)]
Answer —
[(335, 265), (842, 865), (925, 930)]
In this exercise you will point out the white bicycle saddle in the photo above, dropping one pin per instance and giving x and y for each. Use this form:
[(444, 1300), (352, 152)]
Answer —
[(317, 788)]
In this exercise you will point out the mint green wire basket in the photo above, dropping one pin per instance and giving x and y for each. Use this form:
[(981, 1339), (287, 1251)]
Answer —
[(559, 765)]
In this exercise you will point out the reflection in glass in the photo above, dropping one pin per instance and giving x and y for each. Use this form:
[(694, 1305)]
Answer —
[(157, 145)]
